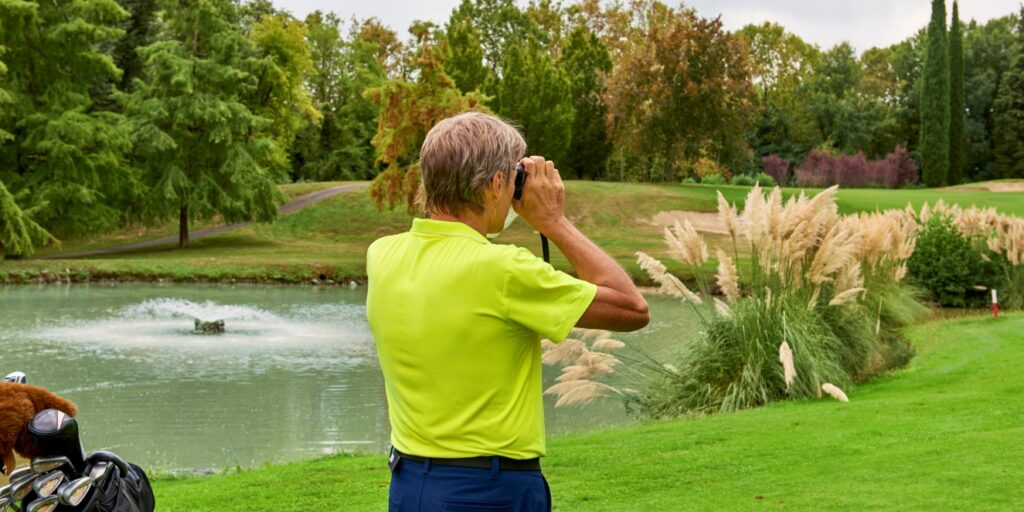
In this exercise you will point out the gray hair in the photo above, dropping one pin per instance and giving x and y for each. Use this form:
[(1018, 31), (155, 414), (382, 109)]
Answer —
[(461, 155)]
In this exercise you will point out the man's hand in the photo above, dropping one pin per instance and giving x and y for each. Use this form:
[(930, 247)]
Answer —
[(543, 199)]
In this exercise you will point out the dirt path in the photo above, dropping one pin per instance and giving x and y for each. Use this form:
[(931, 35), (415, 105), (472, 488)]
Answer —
[(295, 204)]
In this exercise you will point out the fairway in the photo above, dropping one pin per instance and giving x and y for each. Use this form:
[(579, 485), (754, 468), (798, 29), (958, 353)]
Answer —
[(331, 237), (944, 434)]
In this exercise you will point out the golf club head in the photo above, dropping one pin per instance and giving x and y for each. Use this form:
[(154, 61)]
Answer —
[(18, 474), (46, 504), (21, 488), (16, 377), (5, 491), (53, 433), (47, 484), (5, 504), (51, 463), (75, 491), (99, 472)]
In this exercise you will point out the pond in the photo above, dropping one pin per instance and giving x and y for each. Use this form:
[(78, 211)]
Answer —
[(295, 376)]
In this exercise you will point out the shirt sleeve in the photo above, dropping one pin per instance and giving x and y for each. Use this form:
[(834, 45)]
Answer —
[(542, 299)]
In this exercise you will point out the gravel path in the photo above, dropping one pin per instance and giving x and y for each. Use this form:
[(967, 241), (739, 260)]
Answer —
[(295, 204)]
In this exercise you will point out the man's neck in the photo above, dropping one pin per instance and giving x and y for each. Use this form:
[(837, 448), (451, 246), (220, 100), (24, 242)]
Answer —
[(477, 222)]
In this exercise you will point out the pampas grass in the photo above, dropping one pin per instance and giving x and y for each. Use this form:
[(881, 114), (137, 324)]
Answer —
[(834, 392), (788, 370), (584, 364)]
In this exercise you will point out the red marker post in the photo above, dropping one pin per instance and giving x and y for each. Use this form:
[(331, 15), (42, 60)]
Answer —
[(995, 304)]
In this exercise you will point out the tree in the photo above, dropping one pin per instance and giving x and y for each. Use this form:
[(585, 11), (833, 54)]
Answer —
[(586, 63), (957, 113), (1009, 113), (63, 151), (669, 106), (464, 56), (205, 153), (500, 24), (282, 65), (140, 30), (935, 102), (987, 55), (536, 95), (408, 111), (340, 146)]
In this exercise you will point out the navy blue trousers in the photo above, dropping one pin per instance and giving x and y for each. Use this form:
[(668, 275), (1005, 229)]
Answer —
[(427, 487)]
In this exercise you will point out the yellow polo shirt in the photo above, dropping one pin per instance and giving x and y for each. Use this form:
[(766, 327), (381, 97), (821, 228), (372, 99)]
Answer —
[(457, 321)]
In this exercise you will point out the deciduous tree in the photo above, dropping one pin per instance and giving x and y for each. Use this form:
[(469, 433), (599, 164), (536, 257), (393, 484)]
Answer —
[(1009, 112)]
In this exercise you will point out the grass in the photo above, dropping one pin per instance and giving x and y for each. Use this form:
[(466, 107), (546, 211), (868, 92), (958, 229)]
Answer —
[(941, 435), (331, 237)]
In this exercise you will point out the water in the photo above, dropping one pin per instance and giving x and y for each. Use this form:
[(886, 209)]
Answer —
[(294, 377)]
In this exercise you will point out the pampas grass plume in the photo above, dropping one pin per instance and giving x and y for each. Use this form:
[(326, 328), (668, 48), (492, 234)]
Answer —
[(788, 369), (834, 392)]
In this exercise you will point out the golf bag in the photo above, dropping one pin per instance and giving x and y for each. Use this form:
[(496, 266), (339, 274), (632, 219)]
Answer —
[(104, 481)]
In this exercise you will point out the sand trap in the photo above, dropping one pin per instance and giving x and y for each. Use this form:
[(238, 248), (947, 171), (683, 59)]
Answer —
[(707, 222), (993, 186)]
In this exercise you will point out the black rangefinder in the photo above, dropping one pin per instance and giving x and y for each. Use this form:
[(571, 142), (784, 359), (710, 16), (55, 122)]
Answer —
[(520, 182)]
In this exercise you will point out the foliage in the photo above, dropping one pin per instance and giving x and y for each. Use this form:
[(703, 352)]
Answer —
[(935, 102), (777, 168), (1009, 113), (743, 180), (957, 112), (987, 56), (464, 56), (713, 179), (339, 147), (765, 180), (62, 151), (821, 169), (948, 264), (408, 111), (586, 62), (204, 151), (18, 232), (666, 106), (536, 95)]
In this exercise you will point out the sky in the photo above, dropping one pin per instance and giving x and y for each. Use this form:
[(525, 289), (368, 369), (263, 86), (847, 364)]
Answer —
[(863, 23)]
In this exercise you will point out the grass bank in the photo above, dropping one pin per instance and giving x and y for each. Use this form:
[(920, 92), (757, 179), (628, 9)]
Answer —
[(944, 434), (331, 237)]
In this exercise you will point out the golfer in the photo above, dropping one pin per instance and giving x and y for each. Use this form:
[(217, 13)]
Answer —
[(458, 321)]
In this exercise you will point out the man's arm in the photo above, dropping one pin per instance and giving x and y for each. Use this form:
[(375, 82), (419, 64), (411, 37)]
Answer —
[(618, 305)]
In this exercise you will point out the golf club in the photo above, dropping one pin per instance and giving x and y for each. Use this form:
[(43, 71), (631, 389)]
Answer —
[(22, 487), (99, 473), (18, 474), (5, 491), (46, 464), (43, 504), (16, 377), (47, 484), (73, 492), (5, 504)]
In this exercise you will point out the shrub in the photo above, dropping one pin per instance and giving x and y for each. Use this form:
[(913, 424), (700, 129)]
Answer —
[(743, 180), (713, 179), (820, 303), (821, 169), (777, 168), (688, 181), (705, 167), (766, 181), (949, 265)]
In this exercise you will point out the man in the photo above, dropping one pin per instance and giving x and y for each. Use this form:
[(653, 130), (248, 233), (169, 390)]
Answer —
[(457, 321)]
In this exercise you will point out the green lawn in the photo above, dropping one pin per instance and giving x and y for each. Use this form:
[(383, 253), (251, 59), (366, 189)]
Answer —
[(944, 434), (331, 237)]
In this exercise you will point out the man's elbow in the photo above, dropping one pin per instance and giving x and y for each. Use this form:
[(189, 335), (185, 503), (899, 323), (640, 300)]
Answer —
[(639, 316)]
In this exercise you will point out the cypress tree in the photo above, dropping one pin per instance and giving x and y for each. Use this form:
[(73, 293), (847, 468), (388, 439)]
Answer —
[(935, 101), (204, 152), (1009, 113), (957, 112)]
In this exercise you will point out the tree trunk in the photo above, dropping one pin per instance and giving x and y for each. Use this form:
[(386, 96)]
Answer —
[(183, 228)]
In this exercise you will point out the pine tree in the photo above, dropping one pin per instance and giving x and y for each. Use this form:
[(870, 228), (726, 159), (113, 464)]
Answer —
[(935, 102), (1009, 113), (204, 152), (586, 62), (957, 111), (63, 151), (408, 111), (536, 95)]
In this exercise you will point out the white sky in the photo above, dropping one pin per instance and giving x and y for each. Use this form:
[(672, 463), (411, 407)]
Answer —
[(864, 23)]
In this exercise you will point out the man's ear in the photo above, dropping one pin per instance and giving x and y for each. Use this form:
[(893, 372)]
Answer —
[(497, 183)]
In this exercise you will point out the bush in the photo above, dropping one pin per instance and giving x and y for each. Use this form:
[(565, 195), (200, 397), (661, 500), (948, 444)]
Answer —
[(949, 265), (765, 180), (705, 167), (713, 179), (689, 181), (743, 180), (777, 168), (821, 169)]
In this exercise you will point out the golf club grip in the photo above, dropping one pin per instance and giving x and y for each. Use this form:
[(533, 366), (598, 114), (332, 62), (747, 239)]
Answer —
[(544, 249)]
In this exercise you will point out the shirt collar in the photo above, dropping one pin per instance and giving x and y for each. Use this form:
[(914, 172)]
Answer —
[(447, 228)]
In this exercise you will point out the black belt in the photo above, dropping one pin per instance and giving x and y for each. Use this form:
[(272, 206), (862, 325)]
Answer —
[(504, 463)]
